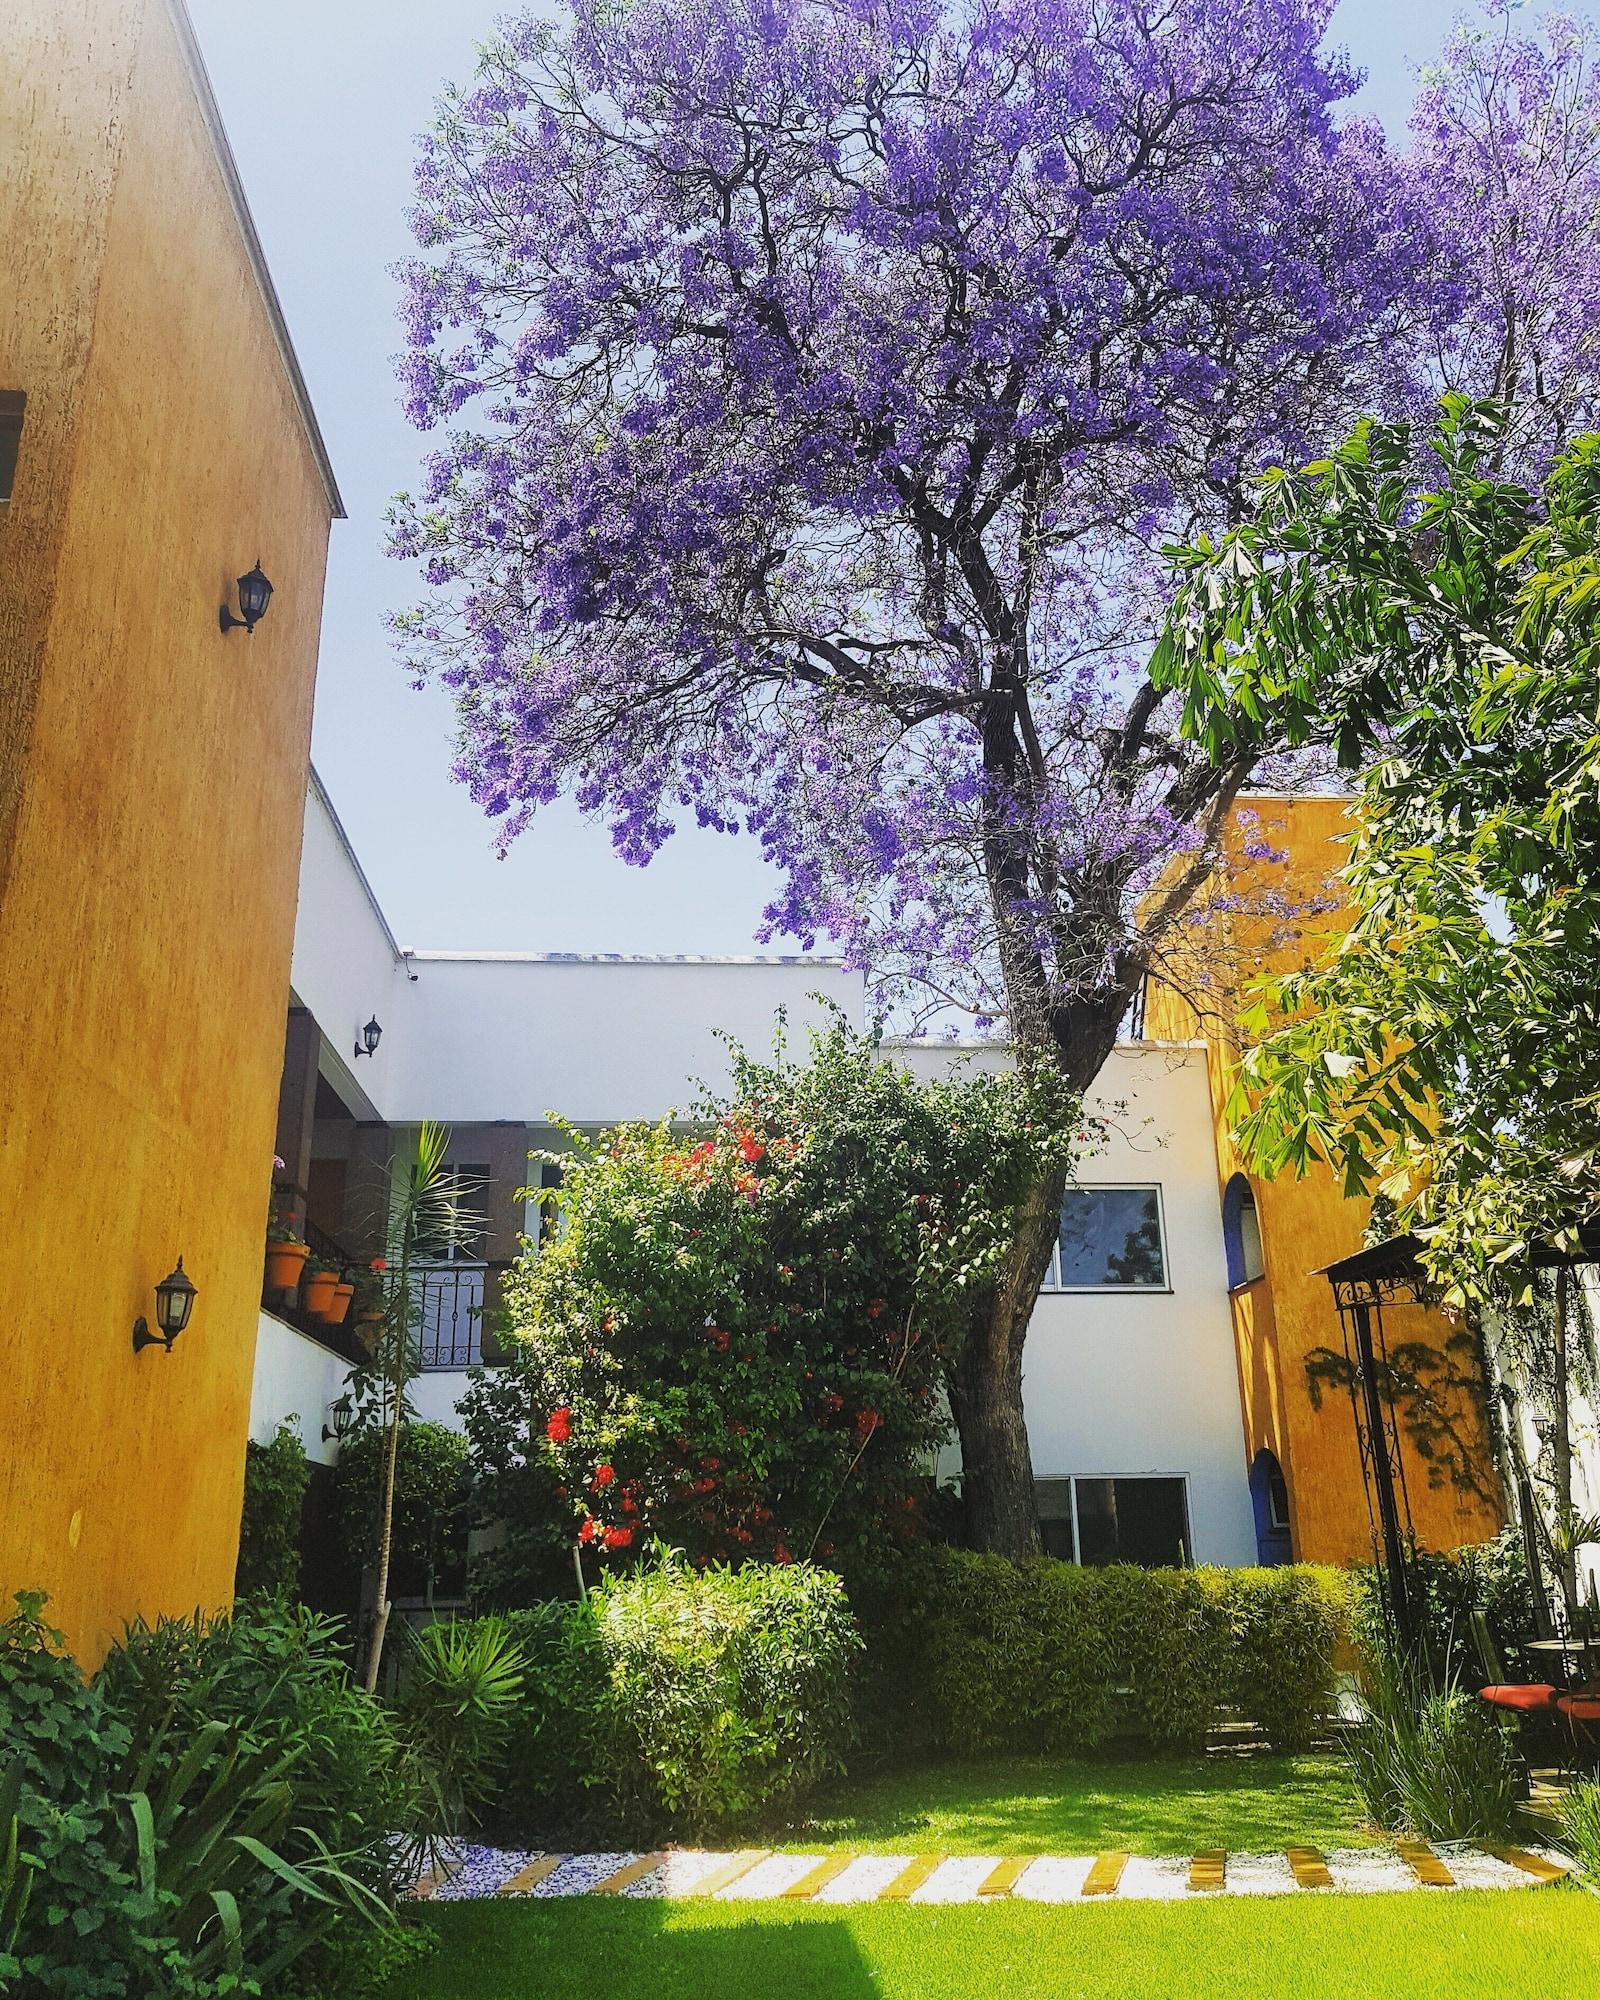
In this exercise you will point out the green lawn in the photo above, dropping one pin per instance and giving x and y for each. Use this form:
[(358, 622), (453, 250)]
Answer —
[(1030, 1805), (1532, 1944)]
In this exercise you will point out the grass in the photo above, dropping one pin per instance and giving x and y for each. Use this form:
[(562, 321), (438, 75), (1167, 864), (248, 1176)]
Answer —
[(1028, 1805), (1532, 1944)]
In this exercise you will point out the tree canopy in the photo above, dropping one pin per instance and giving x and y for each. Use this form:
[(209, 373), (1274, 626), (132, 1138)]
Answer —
[(1444, 1054)]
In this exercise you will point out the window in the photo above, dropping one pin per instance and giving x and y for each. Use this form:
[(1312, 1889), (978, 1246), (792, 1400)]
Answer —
[(1098, 1521), (1054, 1499), (12, 402), (1241, 1234), (1110, 1240)]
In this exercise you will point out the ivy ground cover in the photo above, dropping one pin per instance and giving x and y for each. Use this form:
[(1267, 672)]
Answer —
[(1416, 1947)]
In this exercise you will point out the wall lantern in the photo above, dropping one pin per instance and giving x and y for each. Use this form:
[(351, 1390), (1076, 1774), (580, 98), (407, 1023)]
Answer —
[(370, 1036), (343, 1414), (175, 1297), (254, 592)]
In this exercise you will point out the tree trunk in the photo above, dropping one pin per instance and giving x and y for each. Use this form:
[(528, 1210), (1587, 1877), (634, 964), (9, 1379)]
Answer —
[(396, 1386), (1566, 1553), (986, 1389), (997, 1466)]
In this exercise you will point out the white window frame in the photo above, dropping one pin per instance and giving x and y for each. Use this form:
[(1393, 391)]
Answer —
[(1072, 1478), (1052, 1277)]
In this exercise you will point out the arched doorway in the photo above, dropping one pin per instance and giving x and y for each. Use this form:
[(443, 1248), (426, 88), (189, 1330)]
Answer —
[(1269, 1498)]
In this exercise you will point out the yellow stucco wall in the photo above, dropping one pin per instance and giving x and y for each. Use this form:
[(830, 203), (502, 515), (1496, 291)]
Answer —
[(155, 771), (1285, 1316)]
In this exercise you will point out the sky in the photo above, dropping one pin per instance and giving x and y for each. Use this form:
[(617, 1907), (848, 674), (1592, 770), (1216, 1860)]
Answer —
[(322, 100)]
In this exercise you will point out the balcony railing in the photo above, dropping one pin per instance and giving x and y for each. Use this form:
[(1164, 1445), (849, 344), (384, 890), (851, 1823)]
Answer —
[(452, 1298)]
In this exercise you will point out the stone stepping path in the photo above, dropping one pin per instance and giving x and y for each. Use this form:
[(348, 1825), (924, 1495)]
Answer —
[(757, 1874)]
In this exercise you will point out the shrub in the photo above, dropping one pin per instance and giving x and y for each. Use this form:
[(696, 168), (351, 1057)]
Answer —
[(1286, 1626), (430, 1502), (977, 1653), (561, 1754), (1491, 1577), (729, 1687), (679, 1698), (1580, 1827), (275, 1479), (173, 1811), (1428, 1758), (738, 1342)]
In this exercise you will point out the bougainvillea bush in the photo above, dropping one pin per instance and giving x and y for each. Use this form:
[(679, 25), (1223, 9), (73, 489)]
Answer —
[(738, 1339)]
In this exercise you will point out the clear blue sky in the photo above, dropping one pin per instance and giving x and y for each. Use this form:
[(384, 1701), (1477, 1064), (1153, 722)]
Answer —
[(322, 99)]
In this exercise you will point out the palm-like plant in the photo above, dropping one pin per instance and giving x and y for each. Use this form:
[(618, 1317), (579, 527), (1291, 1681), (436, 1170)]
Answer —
[(426, 1207)]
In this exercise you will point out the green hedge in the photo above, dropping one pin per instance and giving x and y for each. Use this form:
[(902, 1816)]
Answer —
[(983, 1654), (275, 1479), (677, 1698)]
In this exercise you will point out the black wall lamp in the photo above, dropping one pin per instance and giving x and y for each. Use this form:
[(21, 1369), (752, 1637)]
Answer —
[(254, 593), (371, 1035), (175, 1297), (343, 1414)]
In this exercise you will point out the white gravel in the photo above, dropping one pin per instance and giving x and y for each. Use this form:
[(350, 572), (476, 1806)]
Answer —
[(1162, 1877), (864, 1880), (579, 1873), (957, 1879), (1262, 1875), (470, 1870), (1055, 1878)]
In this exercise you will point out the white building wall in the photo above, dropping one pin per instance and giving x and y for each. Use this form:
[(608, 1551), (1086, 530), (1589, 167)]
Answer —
[(296, 1379), (593, 1039), (1115, 1384), (347, 967), (1118, 1383)]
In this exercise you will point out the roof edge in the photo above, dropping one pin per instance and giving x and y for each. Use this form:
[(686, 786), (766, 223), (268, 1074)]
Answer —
[(200, 78), (320, 791), (622, 958)]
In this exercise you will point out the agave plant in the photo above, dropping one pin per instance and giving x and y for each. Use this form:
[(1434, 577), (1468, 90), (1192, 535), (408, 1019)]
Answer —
[(458, 1699)]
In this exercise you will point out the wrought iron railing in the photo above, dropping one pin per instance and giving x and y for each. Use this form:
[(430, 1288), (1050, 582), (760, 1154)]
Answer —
[(452, 1299)]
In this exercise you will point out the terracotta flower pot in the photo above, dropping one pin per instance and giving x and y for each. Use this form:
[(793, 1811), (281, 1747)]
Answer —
[(339, 1304), (285, 1261), (316, 1292)]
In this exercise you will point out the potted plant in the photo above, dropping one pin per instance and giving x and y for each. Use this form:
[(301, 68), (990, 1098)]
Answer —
[(367, 1305), (339, 1304), (318, 1287), (287, 1249)]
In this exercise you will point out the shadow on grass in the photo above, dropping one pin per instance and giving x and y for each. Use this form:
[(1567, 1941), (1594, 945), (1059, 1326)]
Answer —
[(634, 1948)]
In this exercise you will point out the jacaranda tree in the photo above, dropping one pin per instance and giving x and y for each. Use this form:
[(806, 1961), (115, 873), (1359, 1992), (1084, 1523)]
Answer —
[(813, 384)]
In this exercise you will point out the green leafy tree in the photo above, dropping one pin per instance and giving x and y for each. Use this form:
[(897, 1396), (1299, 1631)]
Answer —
[(738, 1338), (1444, 1053), (276, 1476)]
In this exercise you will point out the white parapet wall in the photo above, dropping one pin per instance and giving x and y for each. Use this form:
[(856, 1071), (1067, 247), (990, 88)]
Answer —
[(296, 1381)]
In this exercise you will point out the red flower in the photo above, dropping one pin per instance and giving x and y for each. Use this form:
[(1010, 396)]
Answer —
[(561, 1493), (874, 1307), (750, 1148), (617, 1538), (705, 1485), (833, 1400), (379, 1264), (781, 1554), (586, 1532), (559, 1428), (711, 1465), (867, 1421), (628, 1506), (604, 1474)]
